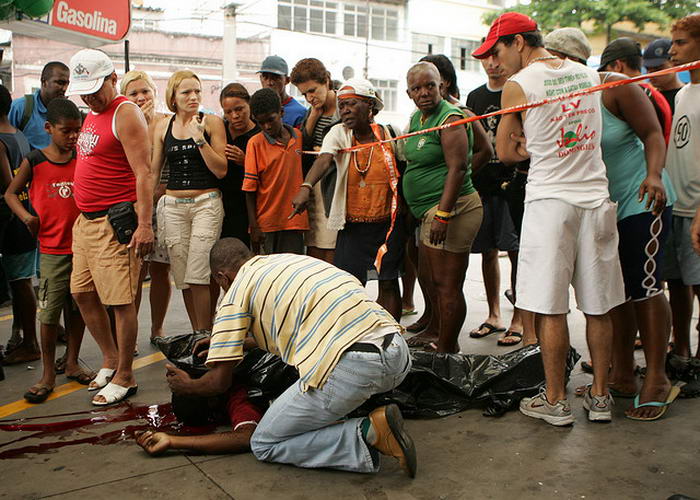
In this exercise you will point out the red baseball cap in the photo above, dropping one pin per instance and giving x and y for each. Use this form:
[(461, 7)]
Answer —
[(510, 23)]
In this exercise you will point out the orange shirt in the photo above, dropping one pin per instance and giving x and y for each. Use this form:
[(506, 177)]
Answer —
[(369, 195), (273, 173)]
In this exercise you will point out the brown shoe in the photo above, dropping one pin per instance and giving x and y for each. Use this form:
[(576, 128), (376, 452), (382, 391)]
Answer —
[(392, 439)]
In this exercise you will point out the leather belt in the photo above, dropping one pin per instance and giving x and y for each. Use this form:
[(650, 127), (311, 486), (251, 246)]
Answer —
[(365, 347)]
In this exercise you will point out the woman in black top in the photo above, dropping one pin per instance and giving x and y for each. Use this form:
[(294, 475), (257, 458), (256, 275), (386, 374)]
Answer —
[(192, 212), (240, 128)]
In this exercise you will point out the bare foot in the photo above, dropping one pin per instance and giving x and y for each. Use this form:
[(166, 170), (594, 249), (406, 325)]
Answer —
[(154, 443), (422, 339), (419, 325), (23, 354)]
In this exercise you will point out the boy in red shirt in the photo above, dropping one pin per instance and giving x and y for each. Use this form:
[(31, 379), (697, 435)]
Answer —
[(49, 172), (272, 178)]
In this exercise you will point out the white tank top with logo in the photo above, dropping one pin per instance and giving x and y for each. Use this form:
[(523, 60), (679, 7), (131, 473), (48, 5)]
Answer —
[(563, 138)]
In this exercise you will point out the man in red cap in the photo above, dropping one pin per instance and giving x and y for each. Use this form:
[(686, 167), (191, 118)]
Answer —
[(569, 225)]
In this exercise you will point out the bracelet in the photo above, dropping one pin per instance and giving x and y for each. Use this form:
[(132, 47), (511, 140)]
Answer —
[(201, 143), (443, 214), (307, 185), (441, 220)]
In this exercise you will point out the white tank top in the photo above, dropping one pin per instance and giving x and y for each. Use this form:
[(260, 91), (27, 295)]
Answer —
[(563, 138)]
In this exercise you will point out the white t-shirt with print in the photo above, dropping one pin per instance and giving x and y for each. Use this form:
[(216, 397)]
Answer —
[(563, 138)]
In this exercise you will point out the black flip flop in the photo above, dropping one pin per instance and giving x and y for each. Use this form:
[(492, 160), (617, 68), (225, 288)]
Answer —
[(510, 333), (490, 329), (44, 391)]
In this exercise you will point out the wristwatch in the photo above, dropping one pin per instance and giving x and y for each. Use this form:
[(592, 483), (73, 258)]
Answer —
[(200, 143)]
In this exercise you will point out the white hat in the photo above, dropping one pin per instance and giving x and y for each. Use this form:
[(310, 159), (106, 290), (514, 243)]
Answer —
[(360, 87), (88, 69)]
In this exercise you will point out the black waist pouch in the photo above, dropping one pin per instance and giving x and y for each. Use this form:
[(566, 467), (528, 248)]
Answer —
[(122, 217)]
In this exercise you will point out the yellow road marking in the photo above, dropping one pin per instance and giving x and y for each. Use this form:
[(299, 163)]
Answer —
[(65, 389)]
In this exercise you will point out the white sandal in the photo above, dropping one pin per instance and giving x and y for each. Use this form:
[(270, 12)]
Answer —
[(114, 393), (104, 375)]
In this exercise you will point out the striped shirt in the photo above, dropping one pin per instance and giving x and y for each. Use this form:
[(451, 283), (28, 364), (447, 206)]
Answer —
[(302, 309), (320, 128)]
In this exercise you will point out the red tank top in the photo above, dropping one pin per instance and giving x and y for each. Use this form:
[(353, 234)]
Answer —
[(51, 194), (103, 176)]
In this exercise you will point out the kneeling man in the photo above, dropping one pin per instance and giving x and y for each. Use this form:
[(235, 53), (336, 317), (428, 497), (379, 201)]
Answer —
[(318, 319)]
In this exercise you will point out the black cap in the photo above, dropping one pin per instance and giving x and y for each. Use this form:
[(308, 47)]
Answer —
[(619, 49), (656, 53)]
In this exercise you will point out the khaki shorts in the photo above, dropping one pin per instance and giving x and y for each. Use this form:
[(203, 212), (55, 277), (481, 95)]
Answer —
[(462, 229), (54, 287), (190, 227), (102, 264)]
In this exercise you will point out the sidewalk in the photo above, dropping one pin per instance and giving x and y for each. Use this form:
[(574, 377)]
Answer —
[(462, 456)]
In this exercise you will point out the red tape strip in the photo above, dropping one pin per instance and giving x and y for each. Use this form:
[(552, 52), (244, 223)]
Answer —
[(518, 109)]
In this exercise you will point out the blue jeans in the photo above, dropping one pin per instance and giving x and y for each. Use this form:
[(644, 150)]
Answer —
[(302, 428)]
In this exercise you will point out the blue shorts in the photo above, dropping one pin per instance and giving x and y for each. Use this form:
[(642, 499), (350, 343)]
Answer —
[(681, 262), (21, 266), (641, 247)]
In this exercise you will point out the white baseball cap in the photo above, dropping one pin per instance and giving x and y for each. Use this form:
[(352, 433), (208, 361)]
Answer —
[(88, 69), (362, 88)]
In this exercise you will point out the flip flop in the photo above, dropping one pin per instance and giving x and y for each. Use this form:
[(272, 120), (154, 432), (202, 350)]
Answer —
[(83, 378), (510, 333), (114, 393), (670, 398), (42, 394), (409, 312), (475, 334), (104, 375)]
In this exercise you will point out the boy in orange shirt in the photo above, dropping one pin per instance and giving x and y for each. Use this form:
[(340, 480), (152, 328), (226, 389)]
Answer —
[(272, 177)]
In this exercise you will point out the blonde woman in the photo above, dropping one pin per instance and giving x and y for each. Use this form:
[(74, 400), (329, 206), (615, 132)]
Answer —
[(139, 88), (192, 211)]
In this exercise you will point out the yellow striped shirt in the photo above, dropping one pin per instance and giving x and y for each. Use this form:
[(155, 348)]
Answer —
[(302, 309)]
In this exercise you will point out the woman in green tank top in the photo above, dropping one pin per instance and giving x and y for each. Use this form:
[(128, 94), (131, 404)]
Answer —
[(438, 189)]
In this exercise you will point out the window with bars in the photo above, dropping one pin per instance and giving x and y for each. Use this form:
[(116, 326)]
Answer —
[(462, 55), (384, 22), (307, 16), (387, 90)]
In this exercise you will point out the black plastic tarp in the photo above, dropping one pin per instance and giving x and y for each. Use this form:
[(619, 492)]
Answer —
[(437, 385)]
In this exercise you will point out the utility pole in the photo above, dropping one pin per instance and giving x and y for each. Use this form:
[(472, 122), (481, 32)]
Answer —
[(230, 63), (369, 27)]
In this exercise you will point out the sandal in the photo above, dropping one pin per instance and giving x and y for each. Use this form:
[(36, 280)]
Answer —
[(82, 377), (104, 375), (408, 311), (663, 405), (41, 394), (114, 393), (477, 333), (518, 336)]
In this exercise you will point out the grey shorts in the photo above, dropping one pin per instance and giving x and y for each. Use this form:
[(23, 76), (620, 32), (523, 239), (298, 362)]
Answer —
[(680, 260)]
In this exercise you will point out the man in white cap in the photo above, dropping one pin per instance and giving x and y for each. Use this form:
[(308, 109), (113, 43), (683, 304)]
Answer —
[(113, 190)]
